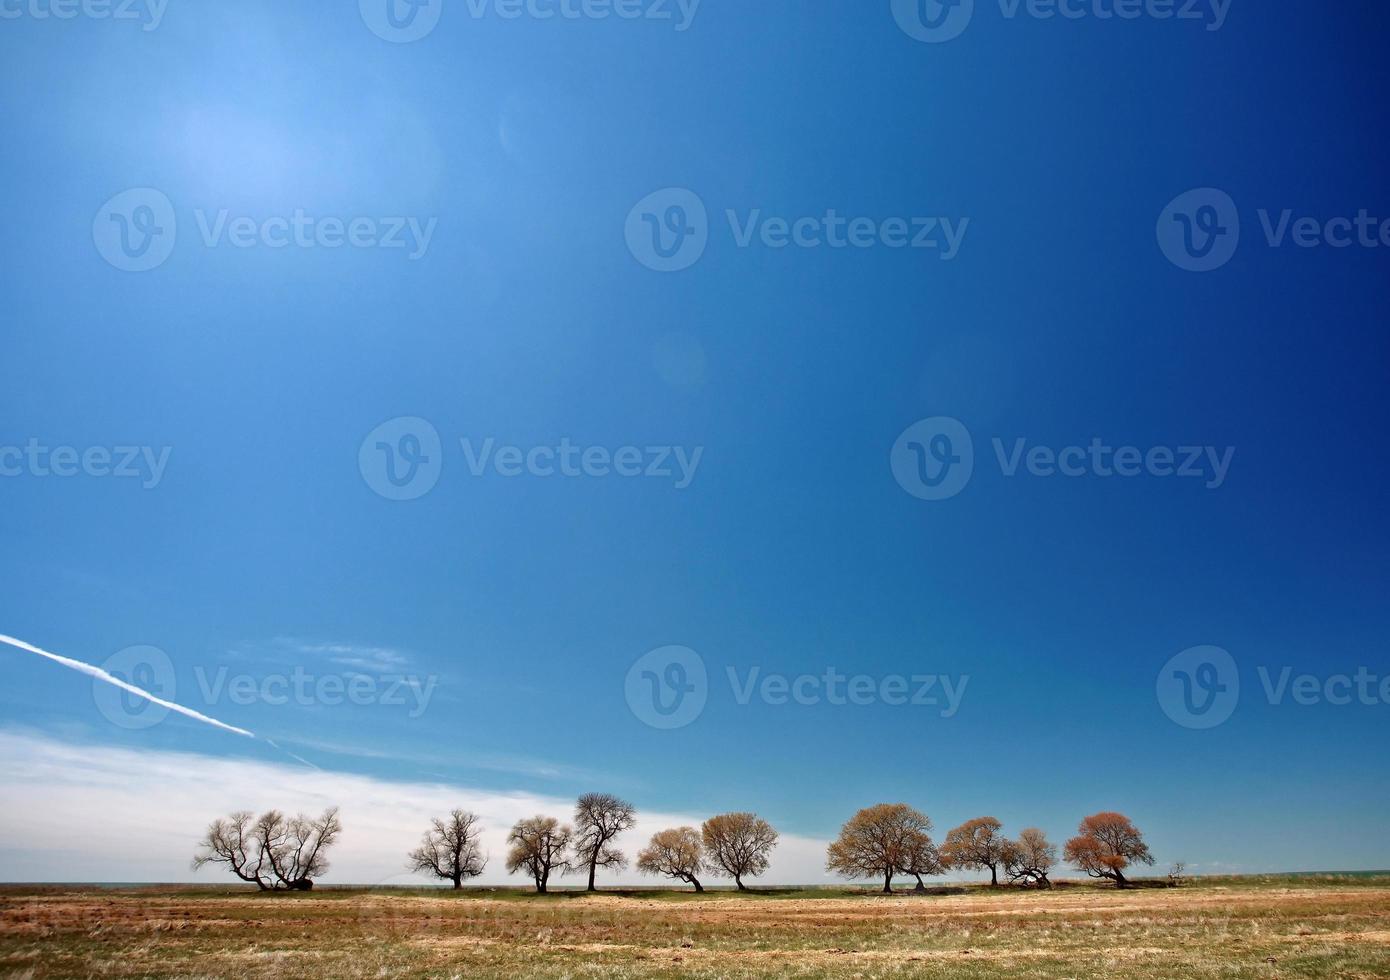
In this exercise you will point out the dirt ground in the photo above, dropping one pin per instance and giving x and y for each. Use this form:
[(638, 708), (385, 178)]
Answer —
[(1228, 928)]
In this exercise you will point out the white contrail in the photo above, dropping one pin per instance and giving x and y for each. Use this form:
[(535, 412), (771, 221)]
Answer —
[(102, 675)]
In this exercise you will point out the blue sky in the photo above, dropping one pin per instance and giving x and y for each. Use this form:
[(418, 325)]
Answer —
[(522, 602)]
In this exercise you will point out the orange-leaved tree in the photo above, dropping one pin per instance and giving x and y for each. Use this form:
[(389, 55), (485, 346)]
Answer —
[(1105, 844)]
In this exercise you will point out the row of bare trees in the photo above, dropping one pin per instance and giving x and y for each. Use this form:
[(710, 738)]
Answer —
[(892, 839), (885, 841), (730, 845), (733, 845)]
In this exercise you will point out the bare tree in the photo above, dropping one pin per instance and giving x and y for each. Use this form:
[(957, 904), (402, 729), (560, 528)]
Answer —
[(1030, 858), (231, 842), (1177, 874), (879, 841), (1106, 844), (979, 844), (677, 853), (450, 849), (274, 852), (598, 818), (738, 845), (540, 847)]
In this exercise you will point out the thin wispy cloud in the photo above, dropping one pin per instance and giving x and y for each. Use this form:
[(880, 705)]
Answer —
[(472, 761), (109, 678), (372, 659)]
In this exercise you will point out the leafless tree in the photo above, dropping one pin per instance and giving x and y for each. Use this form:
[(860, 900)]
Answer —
[(879, 841), (738, 845), (979, 844), (598, 819), (677, 853), (540, 847), (450, 849), (233, 843), (1030, 858), (273, 851), (1177, 874)]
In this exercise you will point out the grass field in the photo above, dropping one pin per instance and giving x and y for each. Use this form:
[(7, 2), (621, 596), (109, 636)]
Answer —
[(1278, 926)]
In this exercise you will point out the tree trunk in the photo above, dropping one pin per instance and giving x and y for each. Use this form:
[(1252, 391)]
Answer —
[(921, 886), (458, 882), (888, 882), (739, 881), (1120, 881), (696, 882), (994, 876), (593, 870)]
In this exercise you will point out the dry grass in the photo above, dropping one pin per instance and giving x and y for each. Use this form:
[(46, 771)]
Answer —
[(1228, 929)]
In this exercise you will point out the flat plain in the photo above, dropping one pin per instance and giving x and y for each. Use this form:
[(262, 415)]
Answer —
[(1230, 928)]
